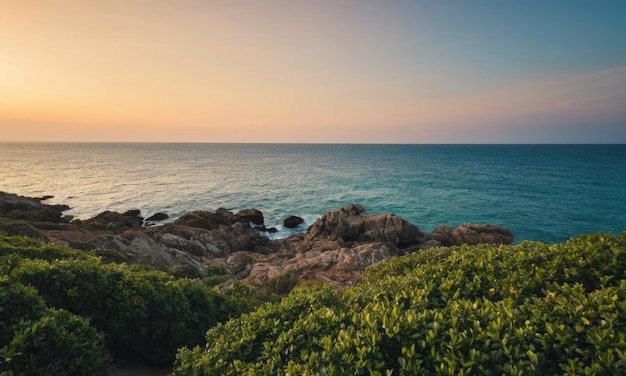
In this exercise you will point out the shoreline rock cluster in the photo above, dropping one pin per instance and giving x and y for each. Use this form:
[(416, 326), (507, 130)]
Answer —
[(335, 249)]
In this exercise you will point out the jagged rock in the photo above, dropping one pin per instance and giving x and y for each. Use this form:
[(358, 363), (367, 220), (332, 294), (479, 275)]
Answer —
[(139, 242), (390, 228), (164, 258), (30, 209), (351, 223), (293, 221), (112, 222), (263, 272), (345, 223), (340, 266)]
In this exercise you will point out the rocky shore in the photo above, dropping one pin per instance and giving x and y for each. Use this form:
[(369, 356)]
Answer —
[(335, 249)]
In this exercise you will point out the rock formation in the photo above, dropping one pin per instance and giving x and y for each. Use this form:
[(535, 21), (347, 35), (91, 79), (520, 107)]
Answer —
[(335, 249)]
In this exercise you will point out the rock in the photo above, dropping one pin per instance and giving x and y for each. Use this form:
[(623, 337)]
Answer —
[(351, 224), (262, 273), (138, 242), (205, 219), (473, 234), (158, 217), (24, 229), (112, 222), (345, 223), (250, 215), (102, 241), (342, 266), (30, 209), (132, 213), (293, 221), (390, 228), (442, 235), (262, 228), (164, 258)]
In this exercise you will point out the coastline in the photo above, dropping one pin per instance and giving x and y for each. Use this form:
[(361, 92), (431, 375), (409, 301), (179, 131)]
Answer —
[(335, 249)]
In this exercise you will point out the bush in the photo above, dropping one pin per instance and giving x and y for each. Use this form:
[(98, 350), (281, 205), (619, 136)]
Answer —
[(531, 308), (144, 313), (59, 343), (35, 340), (17, 303), (25, 247)]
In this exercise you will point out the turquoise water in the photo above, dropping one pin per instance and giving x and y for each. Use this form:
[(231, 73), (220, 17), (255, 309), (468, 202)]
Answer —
[(540, 192)]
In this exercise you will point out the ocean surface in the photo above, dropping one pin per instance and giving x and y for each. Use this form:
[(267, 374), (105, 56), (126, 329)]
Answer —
[(541, 192)]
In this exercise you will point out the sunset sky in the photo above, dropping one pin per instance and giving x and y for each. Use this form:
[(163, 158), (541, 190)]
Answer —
[(313, 71)]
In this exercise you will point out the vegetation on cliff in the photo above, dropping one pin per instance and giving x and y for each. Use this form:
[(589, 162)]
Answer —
[(532, 308)]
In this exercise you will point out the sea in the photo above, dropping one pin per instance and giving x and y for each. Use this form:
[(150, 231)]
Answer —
[(540, 192)]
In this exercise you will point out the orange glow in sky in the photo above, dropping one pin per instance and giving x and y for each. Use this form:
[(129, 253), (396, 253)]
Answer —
[(323, 71)]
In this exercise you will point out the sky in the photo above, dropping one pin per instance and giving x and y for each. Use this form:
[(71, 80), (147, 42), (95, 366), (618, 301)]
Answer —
[(323, 71)]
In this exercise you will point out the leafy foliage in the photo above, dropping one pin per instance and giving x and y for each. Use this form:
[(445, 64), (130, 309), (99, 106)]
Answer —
[(142, 312), (531, 308), (36, 340)]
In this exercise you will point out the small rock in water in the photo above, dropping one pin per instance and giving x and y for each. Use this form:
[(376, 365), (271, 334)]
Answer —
[(262, 228), (158, 217), (293, 221)]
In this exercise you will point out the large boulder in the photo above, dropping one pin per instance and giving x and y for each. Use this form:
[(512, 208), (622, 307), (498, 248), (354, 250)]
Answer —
[(352, 224), (345, 223), (390, 228), (250, 215)]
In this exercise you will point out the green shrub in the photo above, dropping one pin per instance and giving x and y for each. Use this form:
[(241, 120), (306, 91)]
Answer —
[(246, 298), (58, 343), (35, 340), (531, 308), (25, 247), (17, 303), (185, 271), (142, 312)]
